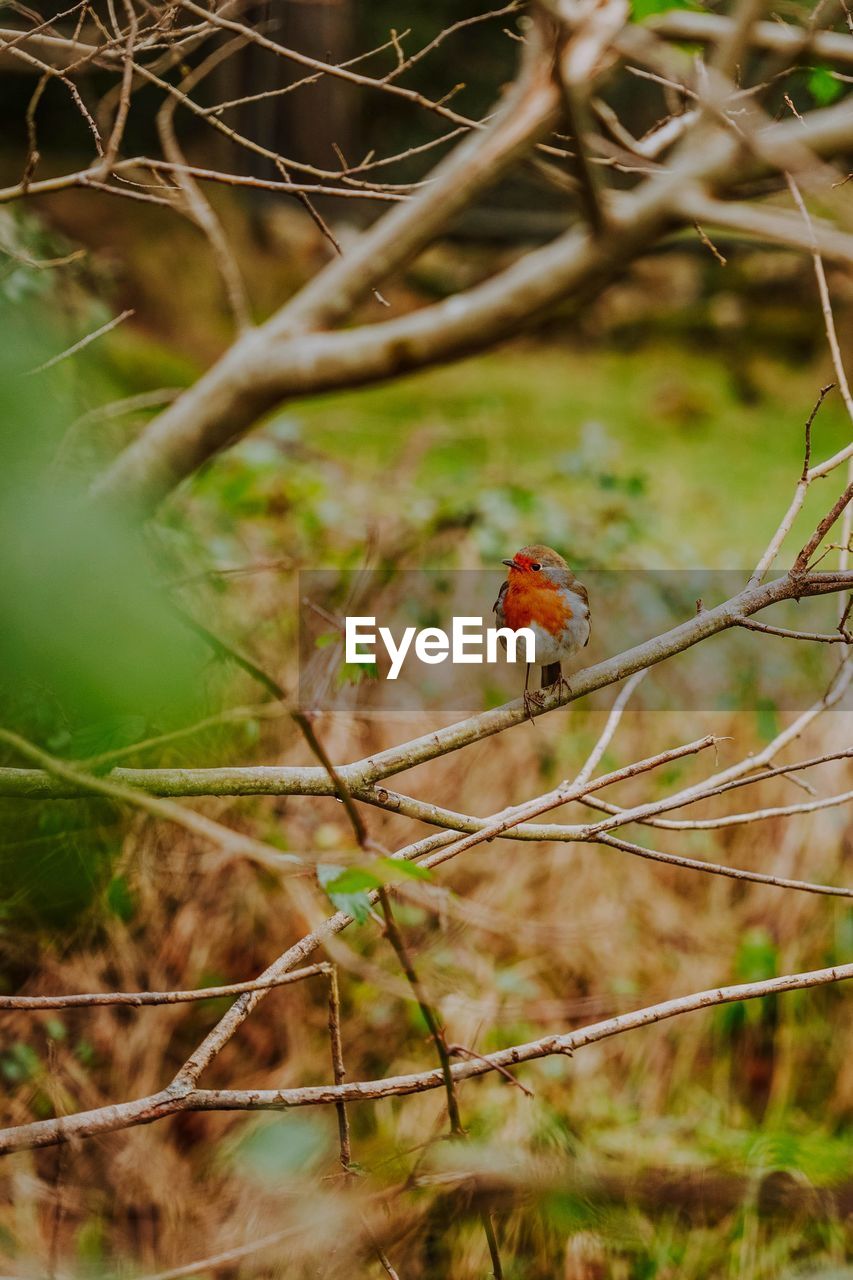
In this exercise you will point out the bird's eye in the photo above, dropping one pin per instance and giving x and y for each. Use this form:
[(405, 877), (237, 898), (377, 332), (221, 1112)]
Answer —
[(536, 567)]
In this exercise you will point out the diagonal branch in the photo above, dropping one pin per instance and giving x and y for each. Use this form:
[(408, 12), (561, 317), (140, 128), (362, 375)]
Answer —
[(234, 843), (171, 1101), (280, 359)]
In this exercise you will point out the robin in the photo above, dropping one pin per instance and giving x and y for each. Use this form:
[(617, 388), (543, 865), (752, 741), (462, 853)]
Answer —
[(542, 593)]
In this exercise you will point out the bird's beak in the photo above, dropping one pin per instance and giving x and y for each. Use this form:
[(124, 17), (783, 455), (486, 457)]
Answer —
[(510, 564)]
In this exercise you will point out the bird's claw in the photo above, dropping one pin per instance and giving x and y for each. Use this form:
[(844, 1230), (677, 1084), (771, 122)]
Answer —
[(561, 687), (532, 700)]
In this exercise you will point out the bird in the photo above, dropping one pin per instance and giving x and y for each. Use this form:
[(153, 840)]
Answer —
[(542, 593)]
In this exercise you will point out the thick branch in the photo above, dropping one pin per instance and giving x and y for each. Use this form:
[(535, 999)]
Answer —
[(230, 395), (270, 365), (709, 28), (765, 222)]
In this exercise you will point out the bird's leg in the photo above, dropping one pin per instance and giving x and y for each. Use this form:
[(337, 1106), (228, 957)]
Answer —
[(530, 699), (554, 681), (561, 687)]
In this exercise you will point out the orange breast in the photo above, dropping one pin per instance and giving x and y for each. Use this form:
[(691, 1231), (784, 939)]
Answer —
[(546, 605)]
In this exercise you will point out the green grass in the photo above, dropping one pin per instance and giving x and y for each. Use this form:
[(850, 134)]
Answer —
[(713, 474)]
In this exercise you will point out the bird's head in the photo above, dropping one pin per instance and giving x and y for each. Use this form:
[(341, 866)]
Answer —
[(529, 562)]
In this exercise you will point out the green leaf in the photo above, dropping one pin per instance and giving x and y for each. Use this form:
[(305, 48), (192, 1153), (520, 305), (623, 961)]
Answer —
[(374, 874), (641, 9), (356, 904), (353, 880), (355, 672), (397, 869), (824, 87)]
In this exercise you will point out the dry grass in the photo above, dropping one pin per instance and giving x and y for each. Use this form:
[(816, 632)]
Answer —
[(534, 938)]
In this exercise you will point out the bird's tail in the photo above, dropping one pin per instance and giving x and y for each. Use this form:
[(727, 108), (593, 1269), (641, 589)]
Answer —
[(551, 674)]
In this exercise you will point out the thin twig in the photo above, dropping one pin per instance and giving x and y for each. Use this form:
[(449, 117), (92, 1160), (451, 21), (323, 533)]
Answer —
[(612, 724), (836, 510), (842, 637), (338, 1068), (139, 998), (84, 342), (428, 1014)]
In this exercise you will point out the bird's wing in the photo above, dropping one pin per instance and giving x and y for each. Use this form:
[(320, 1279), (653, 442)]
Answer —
[(498, 606), (580, 590)]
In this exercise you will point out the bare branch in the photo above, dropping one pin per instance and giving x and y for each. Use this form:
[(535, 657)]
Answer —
[(592, 761), (429, 1015), (83, 343), (197, 207), (137, 999), (338, 1067), (234, 843), (805, 555), (44, 1133), (764, 222), (842, 637), (710, 28), (718, 869), (737, 820), (272, 363)]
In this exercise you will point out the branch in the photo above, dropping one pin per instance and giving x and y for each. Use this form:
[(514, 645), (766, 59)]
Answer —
[(611, 725), (766, 222), (718, 869), (737, 820), (45, 1133), (139, 998), (340, 71), (307, 780), (430, 1016), (234, 843), (840, 637), (709, 28), (280, 359), (506, 819), (57, 51), (835, 512)]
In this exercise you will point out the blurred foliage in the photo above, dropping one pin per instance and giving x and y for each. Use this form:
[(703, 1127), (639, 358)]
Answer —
[(641, 9), (92, 653), (278, 1148)]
